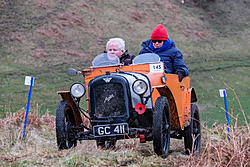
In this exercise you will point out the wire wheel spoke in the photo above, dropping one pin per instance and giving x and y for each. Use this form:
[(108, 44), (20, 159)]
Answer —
[(196, 131), (165, 128)]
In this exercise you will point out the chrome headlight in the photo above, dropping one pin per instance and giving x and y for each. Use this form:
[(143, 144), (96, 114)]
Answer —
[(139, 87), (77, 90)]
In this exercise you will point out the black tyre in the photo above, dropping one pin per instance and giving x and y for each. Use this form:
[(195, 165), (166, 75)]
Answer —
[(64, 120), (161, 127), (106, 144), (192, 133)]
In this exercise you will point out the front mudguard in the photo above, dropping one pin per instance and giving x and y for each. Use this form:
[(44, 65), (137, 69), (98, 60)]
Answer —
[(66, 96)]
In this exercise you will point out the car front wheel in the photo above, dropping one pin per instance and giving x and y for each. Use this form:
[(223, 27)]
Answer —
[(161, 127), (64, 120)]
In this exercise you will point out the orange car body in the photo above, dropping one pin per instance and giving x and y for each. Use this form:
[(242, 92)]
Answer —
[(178, 93), (135, 101)]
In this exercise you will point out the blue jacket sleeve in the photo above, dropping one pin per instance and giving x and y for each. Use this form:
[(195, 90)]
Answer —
[(178, 62)]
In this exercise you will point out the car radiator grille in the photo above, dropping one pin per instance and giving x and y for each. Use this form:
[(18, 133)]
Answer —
[(109, 100)]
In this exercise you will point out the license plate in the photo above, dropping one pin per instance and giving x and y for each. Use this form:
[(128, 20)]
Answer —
[(110, 129)]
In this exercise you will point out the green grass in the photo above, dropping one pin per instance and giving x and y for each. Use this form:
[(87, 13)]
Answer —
[(45, 42)]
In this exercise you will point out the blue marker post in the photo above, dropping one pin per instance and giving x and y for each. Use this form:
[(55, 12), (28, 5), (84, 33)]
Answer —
[(223, 94), (28, 81)]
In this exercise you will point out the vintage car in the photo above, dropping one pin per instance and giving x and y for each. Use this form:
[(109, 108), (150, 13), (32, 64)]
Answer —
[(135, 101)]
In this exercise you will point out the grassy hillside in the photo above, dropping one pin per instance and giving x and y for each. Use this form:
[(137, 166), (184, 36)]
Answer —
[(45, 38)]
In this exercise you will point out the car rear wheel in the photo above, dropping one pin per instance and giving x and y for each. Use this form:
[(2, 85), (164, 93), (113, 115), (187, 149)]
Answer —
[(106, 144), (64, 120), (161, 127), (192, 133), (100, 143), (110, 144)]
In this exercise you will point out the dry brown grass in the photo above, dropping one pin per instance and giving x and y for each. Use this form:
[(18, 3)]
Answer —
[(224, 152), (34, 121), (39, 147)]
